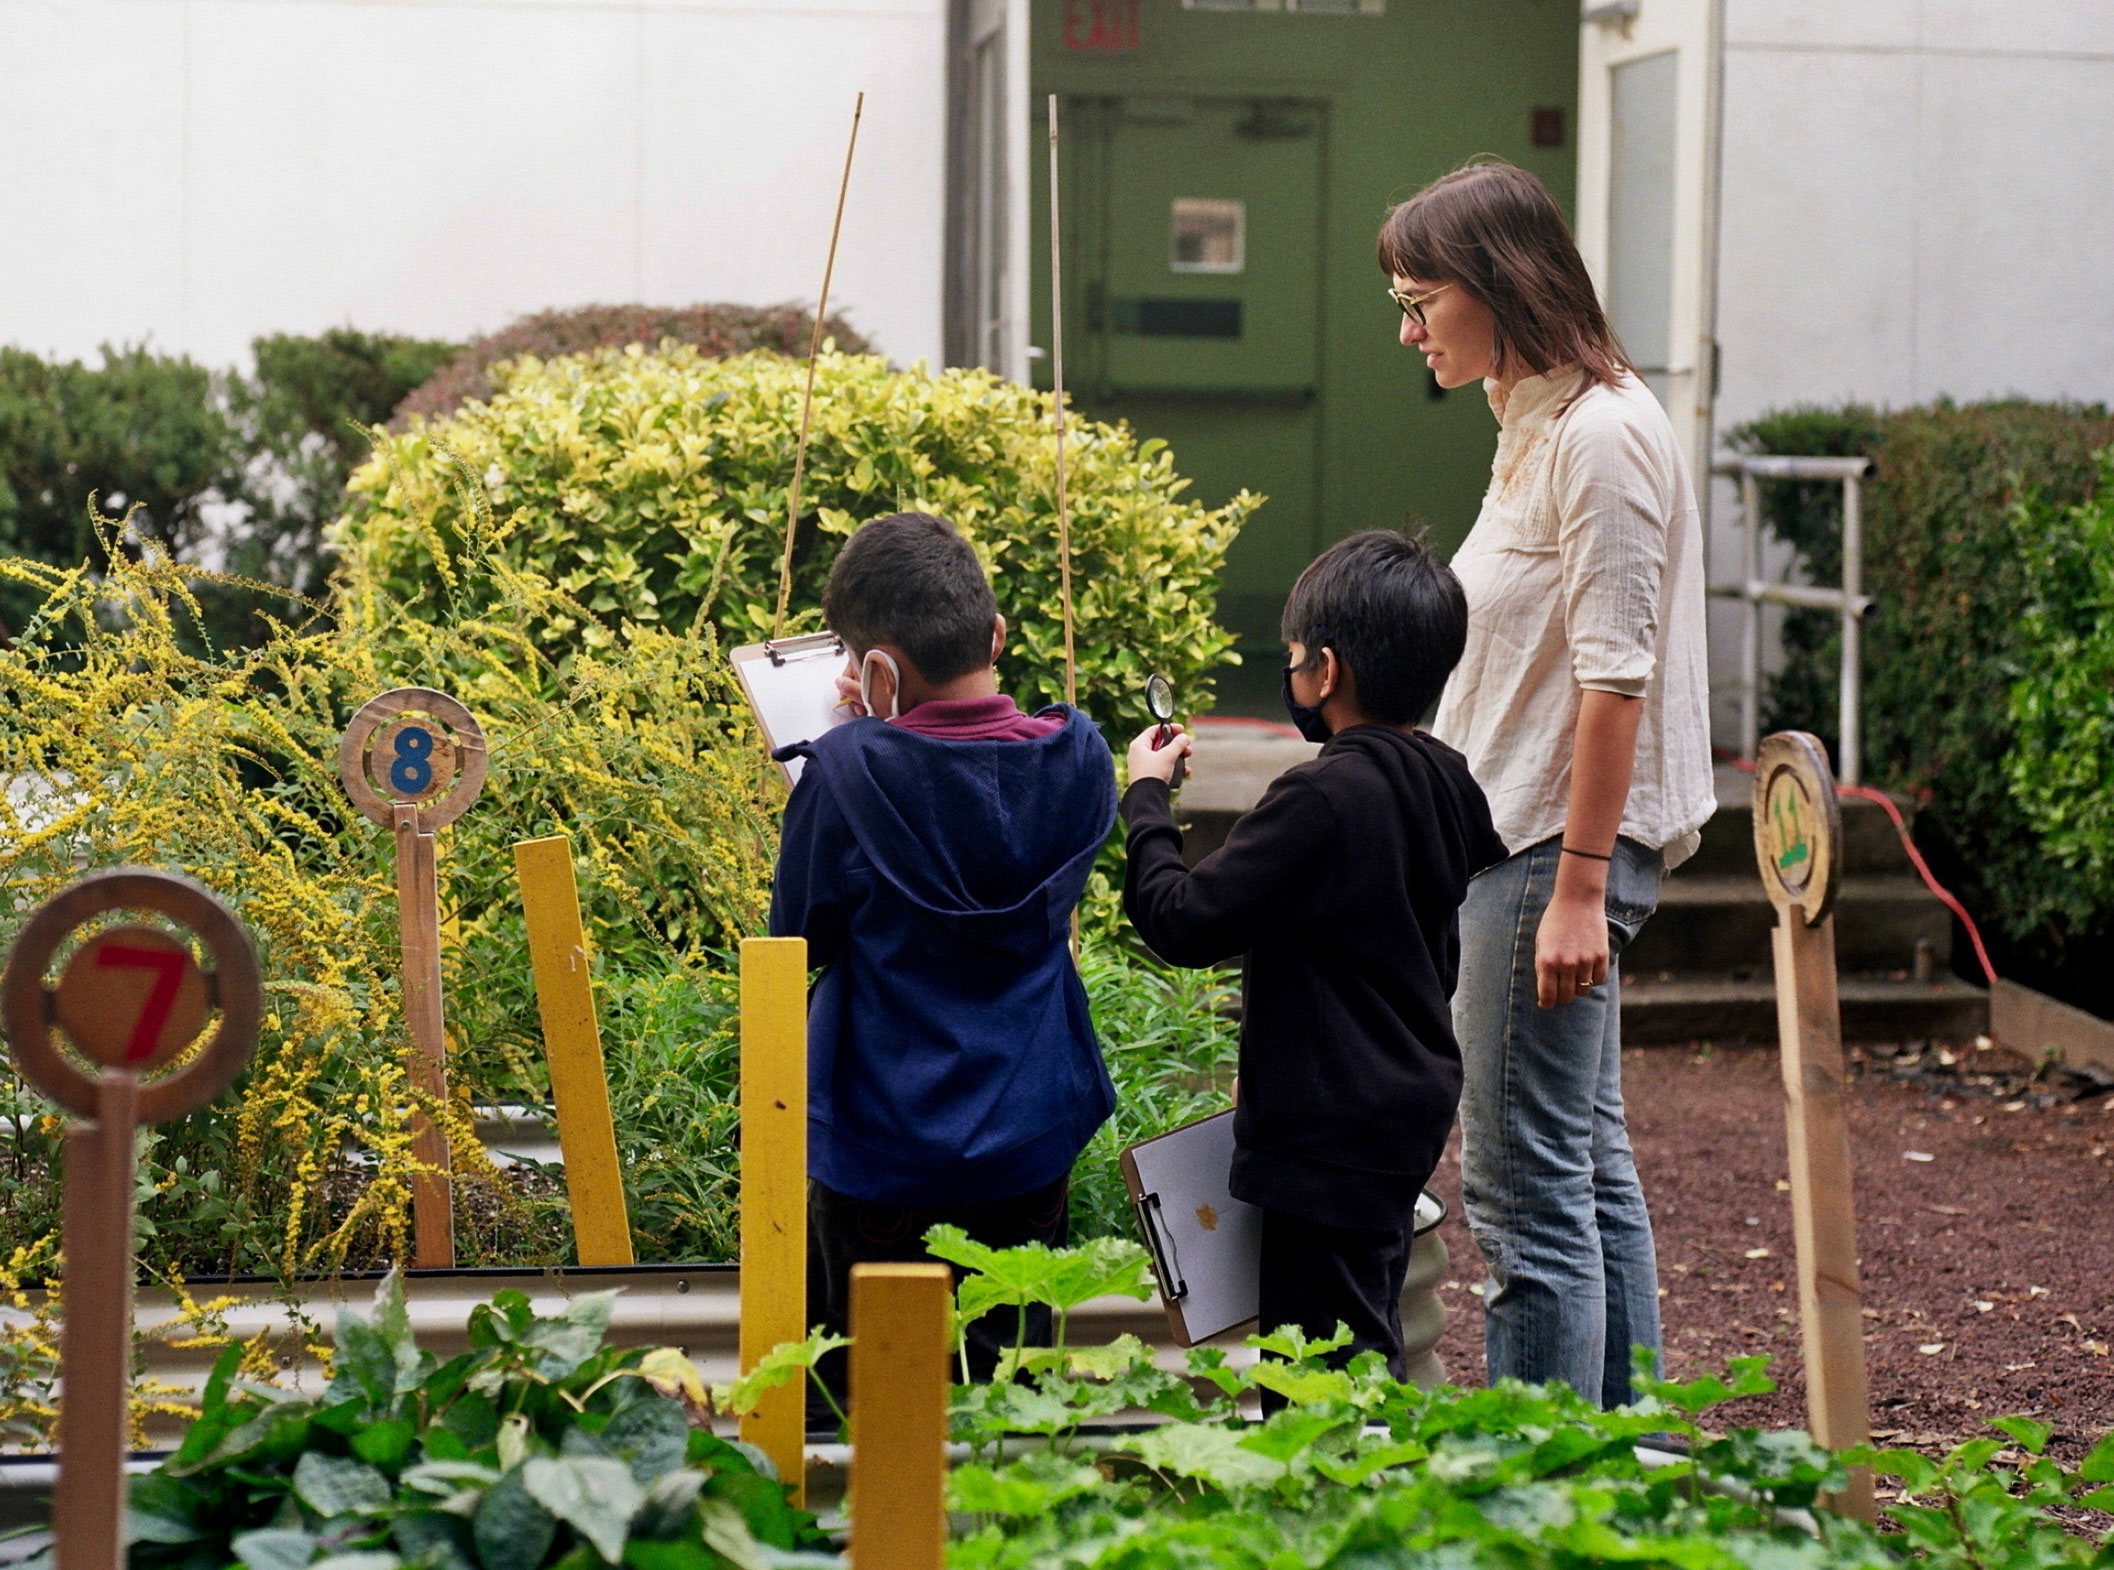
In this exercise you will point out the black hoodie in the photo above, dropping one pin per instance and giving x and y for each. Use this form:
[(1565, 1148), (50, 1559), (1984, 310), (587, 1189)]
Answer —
[(1342, 888)]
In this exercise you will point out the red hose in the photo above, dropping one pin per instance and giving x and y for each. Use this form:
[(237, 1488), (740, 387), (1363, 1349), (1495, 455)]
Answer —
[(1886, 802)]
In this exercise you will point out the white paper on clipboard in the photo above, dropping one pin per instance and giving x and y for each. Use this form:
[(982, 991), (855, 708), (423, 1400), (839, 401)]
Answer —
[(1206, 1245), (791, 683)]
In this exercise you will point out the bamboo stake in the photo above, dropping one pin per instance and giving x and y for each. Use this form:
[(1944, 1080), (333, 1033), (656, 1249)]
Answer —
[(1064, 517), (572, 1043), (774, 1186), (807, 398), (95, 1415)]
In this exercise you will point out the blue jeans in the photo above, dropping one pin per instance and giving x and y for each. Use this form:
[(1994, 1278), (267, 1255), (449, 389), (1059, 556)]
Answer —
[(1547, 1175)]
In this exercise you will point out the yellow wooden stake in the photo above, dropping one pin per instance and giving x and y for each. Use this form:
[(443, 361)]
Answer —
[(774, 1186), (573, 1044), (902, 1317)]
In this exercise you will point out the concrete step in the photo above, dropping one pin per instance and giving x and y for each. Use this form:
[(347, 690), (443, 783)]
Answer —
[(1721, 925), (1685, 1009)]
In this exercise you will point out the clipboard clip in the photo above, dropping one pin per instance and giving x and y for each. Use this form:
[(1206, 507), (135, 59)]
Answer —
[(1161, 1247), (808, 643)]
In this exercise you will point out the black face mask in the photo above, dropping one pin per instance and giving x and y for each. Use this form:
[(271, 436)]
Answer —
[(1306, 716)]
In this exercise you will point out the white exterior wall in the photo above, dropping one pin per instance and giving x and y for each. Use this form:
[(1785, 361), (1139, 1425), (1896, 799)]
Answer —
[(1918, 200), (199, 172)]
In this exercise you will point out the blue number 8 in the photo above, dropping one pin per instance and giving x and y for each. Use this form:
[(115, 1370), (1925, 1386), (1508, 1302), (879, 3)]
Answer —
[(411, 773)]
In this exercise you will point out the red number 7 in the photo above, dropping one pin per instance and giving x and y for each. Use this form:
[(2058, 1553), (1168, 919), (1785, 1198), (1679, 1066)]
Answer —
[(169, 974)]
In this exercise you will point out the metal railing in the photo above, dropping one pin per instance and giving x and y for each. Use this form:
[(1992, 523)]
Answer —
[(1849, 601)]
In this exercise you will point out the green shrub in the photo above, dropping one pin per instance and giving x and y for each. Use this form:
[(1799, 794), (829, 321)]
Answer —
[(2062, 770), (720, 331), (1949, 551), (302, 415), (146, 431), (242, 471), (651, 487)]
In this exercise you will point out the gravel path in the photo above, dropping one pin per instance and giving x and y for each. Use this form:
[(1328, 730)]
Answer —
[(1985, 1207)]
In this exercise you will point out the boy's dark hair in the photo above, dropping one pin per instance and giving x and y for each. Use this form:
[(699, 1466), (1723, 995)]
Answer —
[(1392, 611), (909, 580)]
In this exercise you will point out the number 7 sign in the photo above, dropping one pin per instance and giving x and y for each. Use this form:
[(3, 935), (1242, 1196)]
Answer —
[(132, 998)]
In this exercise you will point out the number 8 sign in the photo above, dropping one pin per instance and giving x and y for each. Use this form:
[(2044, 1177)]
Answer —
[(413, 747)]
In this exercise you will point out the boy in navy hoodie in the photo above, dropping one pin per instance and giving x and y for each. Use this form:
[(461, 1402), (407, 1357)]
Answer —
[(932, 853), (1339, 892)]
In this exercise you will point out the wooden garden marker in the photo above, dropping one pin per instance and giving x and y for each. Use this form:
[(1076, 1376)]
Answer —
[(1797, 841), (774, 1187), (902, 1318), (412, 760), (131, 1000), (573, 1046)]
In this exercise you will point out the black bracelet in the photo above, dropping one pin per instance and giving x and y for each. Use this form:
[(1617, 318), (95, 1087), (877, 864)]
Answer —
[(1589, 855)]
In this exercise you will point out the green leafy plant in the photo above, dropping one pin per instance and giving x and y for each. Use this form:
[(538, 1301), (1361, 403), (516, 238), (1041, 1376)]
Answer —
[(538, 1446), (2061, 771), (650, 487), (1966, 512), (1171, 1039)]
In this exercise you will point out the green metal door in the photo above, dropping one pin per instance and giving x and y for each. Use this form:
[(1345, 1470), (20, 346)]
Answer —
[(1194, 235)]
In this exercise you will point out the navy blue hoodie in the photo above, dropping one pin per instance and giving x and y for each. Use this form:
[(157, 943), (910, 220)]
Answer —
[(951, 1058)]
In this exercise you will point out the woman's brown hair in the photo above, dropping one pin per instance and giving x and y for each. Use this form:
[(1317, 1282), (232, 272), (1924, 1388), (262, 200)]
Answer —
[(1493, 229)]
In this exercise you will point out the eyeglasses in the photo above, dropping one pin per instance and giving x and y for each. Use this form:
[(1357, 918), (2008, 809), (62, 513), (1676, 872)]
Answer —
[(1413, 304)]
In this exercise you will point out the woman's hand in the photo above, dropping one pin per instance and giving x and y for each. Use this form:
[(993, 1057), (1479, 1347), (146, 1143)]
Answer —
[(1570, 947), (1148, 764)]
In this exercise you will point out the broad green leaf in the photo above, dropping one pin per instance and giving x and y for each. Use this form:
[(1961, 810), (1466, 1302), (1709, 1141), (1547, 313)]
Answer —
[(2098, 1464), (727, 1533), (512, 1531), (1291, 1343), (368, 1559), (651, 1434), (275, 1549), (1290, 1432), (1030, 1486), (574, 1336), (669, 1505), (2031, 1435), (1301, 1386), (444, 1477), (437, 1539), (594, 1495), (385, 1445), (1208, 1452), (154, 1526), (337, 1485), (783, 1363)]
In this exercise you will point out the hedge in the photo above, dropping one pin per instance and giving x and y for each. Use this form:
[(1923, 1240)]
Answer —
[(1966, 513)]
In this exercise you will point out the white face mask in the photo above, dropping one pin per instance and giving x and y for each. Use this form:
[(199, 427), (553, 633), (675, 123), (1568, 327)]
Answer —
[(895, 690)]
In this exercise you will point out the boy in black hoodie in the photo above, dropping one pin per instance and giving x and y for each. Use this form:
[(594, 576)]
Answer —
[(931, 856), (1341, 889)]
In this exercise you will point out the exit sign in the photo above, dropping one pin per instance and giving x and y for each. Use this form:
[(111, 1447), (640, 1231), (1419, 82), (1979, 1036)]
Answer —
[(1101, 26)]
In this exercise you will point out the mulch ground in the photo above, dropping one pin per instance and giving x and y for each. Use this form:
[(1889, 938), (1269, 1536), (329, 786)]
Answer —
[(1985, 1211)]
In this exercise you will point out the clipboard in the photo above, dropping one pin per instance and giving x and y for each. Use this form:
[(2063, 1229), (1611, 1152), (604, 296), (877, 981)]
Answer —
[(791, 684), (1206, 1246)]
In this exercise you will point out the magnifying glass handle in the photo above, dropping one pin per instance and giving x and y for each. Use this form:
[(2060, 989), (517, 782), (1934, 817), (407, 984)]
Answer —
[(1181, 768)]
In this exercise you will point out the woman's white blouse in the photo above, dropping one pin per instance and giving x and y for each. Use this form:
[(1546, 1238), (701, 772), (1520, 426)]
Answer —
[(1584, 570)]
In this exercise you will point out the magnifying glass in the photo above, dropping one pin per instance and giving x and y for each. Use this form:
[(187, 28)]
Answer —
[(1159, 699)]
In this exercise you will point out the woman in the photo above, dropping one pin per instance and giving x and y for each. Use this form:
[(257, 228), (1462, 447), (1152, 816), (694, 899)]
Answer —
[(1580, 705)]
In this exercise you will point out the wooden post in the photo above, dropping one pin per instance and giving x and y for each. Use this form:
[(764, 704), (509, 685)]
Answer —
[(413, 760), (1798, 834), (572, 1043), (418, 935), (774, 1186), (901, 1322), (95, 1341), (132, 1000)]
